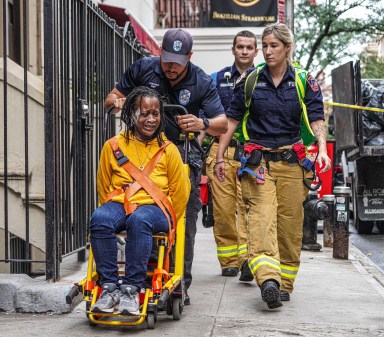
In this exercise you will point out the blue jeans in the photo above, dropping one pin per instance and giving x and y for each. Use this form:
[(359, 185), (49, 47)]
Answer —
[(109, 219)]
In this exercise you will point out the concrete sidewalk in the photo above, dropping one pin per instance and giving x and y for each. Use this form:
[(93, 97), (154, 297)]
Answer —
[(331, 298)]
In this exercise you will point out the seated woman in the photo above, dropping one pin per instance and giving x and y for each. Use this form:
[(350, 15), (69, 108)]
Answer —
[(119, 195)]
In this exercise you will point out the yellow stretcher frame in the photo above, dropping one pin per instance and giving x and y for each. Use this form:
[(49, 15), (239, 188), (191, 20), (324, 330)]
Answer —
[(91, 291)]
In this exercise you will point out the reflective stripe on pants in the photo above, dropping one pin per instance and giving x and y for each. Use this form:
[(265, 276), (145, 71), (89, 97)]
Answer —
[(242, 250), (227, 251)]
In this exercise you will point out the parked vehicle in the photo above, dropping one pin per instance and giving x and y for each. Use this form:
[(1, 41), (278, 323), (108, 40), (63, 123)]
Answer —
[(360, 140)]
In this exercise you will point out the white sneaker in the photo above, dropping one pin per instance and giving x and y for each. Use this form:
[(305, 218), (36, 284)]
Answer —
[(129, 300), (108, 299)]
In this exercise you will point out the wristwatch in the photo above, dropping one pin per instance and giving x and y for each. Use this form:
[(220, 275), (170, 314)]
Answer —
[(206, 123)]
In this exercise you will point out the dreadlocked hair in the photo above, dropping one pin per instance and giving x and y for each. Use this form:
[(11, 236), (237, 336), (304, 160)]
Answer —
[(130, 107)]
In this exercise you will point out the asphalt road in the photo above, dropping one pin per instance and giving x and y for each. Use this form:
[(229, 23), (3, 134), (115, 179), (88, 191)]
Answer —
[(371, 245)]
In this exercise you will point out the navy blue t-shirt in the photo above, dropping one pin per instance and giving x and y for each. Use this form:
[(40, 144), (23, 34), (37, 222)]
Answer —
[(275, 113), (195, 91)]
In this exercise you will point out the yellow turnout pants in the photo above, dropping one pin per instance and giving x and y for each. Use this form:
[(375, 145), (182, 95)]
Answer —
[(275, 222), (229, 211)]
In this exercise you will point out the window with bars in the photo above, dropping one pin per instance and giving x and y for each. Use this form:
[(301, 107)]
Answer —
[(18, 251), (182, 13)]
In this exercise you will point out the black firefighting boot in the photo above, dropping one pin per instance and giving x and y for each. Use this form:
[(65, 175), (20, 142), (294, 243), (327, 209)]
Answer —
[(270, 293), (230, 272), (246, 274), (284, 295)]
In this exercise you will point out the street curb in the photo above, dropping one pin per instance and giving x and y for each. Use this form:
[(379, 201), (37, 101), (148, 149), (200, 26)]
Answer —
[(366, 267), (21, 293)]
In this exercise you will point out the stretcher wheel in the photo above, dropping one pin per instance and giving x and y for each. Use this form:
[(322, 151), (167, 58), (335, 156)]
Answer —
[(168, 308), (91, 323), (177, 308), (151, 320), (88, 307)]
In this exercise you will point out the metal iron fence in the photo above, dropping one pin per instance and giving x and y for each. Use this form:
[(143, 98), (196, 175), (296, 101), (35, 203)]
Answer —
[(16, 251), (182, 13), (84, 54)]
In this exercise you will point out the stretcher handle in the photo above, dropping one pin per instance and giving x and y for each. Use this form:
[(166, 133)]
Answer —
[(195, 142), (107, 122), (180, 108), (162, 299), (73, 292), (182, 111)]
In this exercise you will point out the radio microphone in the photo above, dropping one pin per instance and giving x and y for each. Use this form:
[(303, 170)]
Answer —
[(227, 75)]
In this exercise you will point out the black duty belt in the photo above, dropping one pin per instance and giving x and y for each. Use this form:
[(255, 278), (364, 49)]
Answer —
[(287, 155), (273, 156), (258, 136), (232, 143)]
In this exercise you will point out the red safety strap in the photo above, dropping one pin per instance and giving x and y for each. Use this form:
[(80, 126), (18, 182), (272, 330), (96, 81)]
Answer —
[(142, 180)]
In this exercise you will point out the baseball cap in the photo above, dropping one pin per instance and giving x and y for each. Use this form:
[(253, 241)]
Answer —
[(176, 46)]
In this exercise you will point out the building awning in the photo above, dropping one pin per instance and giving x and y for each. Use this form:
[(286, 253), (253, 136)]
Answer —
[(121, 17)]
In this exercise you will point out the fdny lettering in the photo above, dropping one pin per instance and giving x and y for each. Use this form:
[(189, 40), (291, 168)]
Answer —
[(261, 84), (312, 83), (184, 97), (153, 85), (225, 84)]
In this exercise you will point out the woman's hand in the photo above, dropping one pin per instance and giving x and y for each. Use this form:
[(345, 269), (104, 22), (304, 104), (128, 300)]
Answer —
[(219, 169), (324, 161)]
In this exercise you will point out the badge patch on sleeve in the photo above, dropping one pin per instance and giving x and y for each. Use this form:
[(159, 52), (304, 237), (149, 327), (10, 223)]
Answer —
[(312, 83)]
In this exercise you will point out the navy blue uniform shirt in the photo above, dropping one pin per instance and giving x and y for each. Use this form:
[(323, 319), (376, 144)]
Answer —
[(274, 118), (225, 87), (195, 91)]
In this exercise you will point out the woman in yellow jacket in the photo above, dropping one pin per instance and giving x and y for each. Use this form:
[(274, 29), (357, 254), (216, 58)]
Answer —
[(144, 118)]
